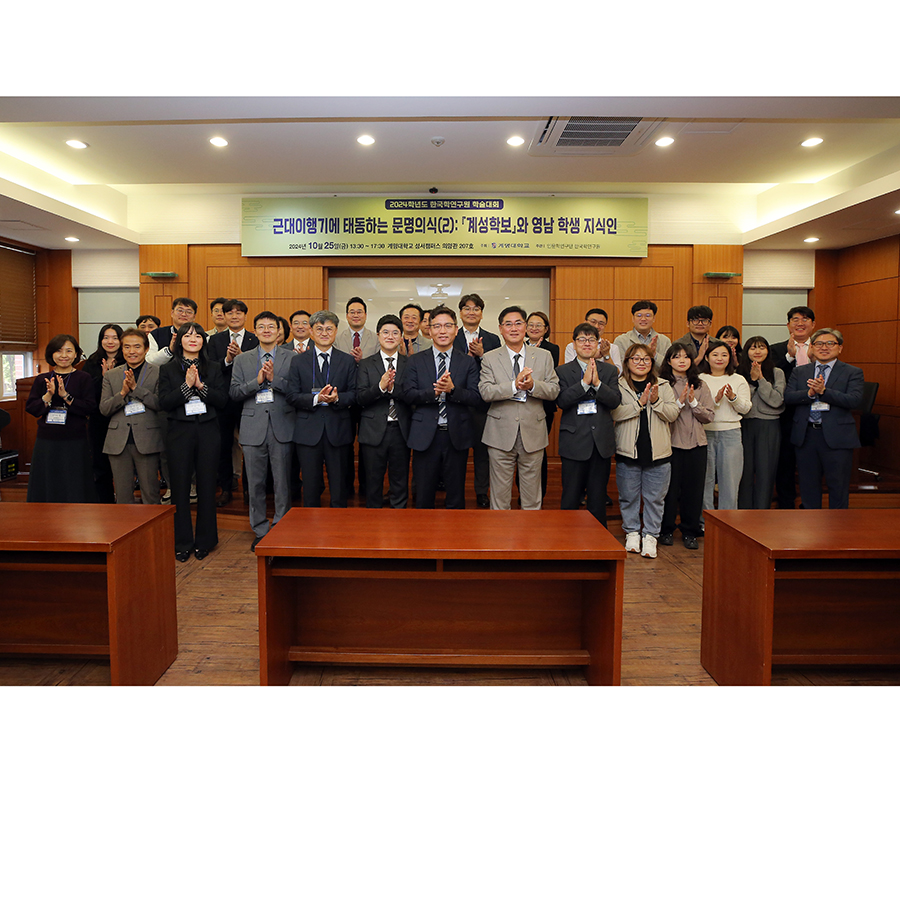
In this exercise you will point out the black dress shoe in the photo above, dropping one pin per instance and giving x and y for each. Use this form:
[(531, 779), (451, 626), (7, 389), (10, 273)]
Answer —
[(483, 502), (666, 539), (201, 554), (691, 543), (255, 542), (224, 498), (183, 555)]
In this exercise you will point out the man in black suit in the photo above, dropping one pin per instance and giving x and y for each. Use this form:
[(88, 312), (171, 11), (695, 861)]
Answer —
[(223, 347), (823, 395), (184, 310), (322, 387), (473, 340), (384, 418), (787, 355), (442, 385), (588, 390)]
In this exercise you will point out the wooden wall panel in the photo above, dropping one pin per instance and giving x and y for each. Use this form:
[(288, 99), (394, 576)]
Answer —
[(718, 258), (886, 376), (163, 258), (585, 284), (570, 313), (643, 284), (725, 300), (871, 301), (295, 281), (823, 297), (864, 344), (235, 282), (869, 262)]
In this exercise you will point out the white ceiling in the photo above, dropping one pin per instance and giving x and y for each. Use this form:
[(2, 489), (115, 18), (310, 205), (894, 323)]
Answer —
[(734, 149)]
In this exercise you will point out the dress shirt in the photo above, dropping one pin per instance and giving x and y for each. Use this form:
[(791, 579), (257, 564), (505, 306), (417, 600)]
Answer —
[(512, 361), (238, 338)]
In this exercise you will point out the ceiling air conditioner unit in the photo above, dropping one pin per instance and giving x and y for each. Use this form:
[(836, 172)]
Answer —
[(593, 136)]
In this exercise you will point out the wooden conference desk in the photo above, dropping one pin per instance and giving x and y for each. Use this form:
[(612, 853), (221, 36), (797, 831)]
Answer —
[(803, 586), (90, 579), (440, 588)]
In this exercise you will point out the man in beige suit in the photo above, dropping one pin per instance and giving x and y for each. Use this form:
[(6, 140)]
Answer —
[(515, 380)]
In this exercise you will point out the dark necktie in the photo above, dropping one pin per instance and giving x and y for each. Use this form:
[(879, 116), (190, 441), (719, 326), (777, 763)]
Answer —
[(815, 415), (266, 358), (516, 367), (356, 340), (323, 368), (392, 410), (442, 403)]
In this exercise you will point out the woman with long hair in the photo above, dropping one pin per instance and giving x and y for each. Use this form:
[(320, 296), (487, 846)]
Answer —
[(643, 448), (695, 407), (191, 390), (61, 400), (761, 427)]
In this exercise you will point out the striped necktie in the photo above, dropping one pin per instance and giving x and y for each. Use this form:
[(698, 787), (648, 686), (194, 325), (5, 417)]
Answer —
[(442, 403)]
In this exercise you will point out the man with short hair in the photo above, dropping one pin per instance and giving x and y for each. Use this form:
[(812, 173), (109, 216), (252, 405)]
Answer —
[(259, 382), (475, 341), (515, 380), (322, 388), (643, 312), (605, 352), (588, 390), (413, 342), (299, 331), (823, 395), (147, 323), (356, 339), (384, 418), (217, 315), (162, 339), (442, 386), (699, 320), (425, 324), (787, 355)]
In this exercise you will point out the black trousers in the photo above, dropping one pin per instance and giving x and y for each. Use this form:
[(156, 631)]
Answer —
[(334, 460), (815, 460), (590, 475), (391, 456), (440, 461), (685, 492), (193, 447)]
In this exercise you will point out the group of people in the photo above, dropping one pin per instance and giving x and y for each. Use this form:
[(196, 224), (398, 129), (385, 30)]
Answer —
[(680, 418)]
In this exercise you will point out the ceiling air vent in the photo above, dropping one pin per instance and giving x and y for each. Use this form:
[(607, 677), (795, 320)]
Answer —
[(593, 136)]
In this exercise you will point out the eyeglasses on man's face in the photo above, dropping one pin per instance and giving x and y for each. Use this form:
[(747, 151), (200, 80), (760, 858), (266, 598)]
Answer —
[(824, 345)]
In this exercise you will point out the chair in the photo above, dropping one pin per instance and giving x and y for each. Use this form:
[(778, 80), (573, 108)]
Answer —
[(868, 422)]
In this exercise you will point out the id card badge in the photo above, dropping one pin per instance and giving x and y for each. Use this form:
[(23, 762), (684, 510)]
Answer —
[(134, 407), (587, 407), (194, 407), (266, 395), (56, 416), (819, 406), (520, 397)]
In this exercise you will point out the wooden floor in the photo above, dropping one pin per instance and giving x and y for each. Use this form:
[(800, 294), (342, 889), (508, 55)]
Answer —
[(218, 629)]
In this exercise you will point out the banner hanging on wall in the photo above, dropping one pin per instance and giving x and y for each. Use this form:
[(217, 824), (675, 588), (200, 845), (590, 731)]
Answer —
[(514, 226)]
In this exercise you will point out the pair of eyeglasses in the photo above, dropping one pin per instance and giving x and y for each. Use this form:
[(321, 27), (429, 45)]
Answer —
[(585, 340), (702, 321), (820, 345)]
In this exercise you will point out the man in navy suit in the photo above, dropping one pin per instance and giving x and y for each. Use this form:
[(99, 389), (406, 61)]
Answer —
[(442, 384), (223, 348), (476, 341), (824, 394), (322, 388)]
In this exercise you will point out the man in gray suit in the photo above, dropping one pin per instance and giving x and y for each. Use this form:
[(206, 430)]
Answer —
[(134, 438), (259, 381), (356, 339), (515, 379)]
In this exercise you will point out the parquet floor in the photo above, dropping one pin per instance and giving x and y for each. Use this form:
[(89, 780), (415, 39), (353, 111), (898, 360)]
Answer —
[(218, 630)]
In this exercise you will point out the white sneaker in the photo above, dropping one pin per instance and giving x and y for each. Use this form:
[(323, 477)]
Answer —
[(633, 542), (649, 547)]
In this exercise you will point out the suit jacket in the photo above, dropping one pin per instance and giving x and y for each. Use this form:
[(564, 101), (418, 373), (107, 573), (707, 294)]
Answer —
[(255, 417), (507, 417), (313, 423), (417, 390), (374, 403), (367, 341), (843, 391), (578, 435), (171, 398), (144, 426), (489, 341), (217, 348), (778, 352)]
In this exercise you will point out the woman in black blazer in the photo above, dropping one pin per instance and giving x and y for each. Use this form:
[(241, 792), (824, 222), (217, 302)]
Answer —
[(537, 328), (191, 390)]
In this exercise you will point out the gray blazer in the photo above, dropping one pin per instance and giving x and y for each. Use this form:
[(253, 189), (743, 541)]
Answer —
[(368, 342), (506, 417), (144, 426), (255, 417)]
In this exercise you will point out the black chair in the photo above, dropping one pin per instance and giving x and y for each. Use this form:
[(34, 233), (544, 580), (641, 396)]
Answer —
[(868, 422)]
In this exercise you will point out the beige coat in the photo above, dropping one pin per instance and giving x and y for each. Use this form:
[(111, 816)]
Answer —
[(627, 417)]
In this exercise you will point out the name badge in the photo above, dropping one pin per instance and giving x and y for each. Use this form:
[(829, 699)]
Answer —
[(56, 416), (520, 397), (266, 395), (133, 407), (819, 406), (194, 407), (587, 407)]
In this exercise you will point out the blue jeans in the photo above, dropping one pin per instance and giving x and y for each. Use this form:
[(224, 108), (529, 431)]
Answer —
[(635, 482), (724, 464)]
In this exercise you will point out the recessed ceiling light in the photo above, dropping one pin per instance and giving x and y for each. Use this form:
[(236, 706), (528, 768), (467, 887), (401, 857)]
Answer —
[(809, 240), (74, 240), (897, 212), (811, 142), (665, 142), (365, 139), (515, 141), (218, 142), (77, 145)]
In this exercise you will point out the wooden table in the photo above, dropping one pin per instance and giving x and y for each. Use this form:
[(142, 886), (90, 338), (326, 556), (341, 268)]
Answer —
[(90, 579), (803, 586), (440, 588)]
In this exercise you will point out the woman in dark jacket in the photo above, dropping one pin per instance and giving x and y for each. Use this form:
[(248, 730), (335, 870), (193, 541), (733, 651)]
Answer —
[(191, 390)]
